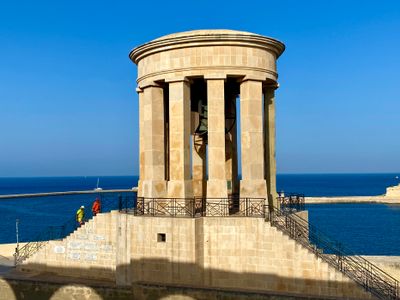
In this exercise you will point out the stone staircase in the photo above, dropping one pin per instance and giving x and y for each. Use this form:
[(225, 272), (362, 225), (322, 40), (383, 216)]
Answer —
[(356, 268), (89, 251)]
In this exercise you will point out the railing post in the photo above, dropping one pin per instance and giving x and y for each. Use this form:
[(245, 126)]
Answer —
[(16, 255), (119, 203)]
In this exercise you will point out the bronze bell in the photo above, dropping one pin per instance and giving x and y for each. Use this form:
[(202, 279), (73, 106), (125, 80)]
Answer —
[(203, 121)]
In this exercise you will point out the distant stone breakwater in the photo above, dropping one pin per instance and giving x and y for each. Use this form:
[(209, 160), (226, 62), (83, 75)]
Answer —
[(352, 199), (392, 196)]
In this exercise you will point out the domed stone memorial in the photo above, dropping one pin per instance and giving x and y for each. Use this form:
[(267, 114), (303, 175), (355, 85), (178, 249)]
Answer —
[(195, 231), (196, 89)]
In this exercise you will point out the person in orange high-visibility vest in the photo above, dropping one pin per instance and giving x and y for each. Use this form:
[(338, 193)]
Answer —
[(96, 207)]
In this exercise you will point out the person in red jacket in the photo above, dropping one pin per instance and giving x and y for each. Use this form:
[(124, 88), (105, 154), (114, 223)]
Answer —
[(96, 207)]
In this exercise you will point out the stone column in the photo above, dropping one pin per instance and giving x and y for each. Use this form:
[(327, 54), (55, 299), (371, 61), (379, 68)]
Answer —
[(199, 166), (231, 148), (253, 184), (216, 184), (180, 182), (141, 143), (153, 184), (269, 140)]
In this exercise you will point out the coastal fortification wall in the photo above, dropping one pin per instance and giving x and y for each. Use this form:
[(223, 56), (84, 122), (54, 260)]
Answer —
[(245, 254)]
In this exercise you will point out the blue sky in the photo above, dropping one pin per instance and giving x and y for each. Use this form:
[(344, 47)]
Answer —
[(67, 88)]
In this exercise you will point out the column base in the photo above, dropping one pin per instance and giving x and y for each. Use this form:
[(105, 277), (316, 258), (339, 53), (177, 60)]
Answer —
[(217, 188), (253, 188), (153, 189), (235, 186), (273, 200), (140, 188), (217, 203), (199, 188), (180, 189)]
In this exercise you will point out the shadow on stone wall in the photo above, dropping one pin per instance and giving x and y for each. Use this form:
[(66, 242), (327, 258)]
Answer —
[(160, 279)]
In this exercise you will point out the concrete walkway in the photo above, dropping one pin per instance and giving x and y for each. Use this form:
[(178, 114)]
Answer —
[(6, 265), (7, 257)]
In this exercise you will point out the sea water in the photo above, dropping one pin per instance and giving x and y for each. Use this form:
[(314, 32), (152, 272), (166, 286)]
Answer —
[(368, 229)]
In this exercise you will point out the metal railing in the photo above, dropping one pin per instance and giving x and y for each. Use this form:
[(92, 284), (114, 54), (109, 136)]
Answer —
[(366, 274), (201, 207), (120, 200), (292, 202)]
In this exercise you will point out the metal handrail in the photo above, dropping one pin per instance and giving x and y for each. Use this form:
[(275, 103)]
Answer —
[(292, 201), (202, 207), (370, 277)]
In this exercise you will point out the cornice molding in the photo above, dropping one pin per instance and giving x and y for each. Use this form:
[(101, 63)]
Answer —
[(189, 39)]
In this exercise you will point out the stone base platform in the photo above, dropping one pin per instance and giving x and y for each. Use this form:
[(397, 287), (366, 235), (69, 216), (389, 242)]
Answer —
[(155, 257)]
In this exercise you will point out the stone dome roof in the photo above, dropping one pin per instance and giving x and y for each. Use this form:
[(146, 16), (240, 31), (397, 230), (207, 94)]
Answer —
[(205, 32)]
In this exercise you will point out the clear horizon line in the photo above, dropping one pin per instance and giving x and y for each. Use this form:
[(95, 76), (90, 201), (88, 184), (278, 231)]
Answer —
[(136, 175)]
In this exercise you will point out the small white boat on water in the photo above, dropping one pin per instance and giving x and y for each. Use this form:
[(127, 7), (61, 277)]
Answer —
[(97, 187)]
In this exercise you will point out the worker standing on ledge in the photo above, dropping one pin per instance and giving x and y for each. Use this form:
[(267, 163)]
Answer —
[(80, 215), (96, 207)]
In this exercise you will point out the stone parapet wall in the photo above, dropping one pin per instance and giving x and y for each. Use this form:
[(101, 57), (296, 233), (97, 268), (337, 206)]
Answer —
[(13, 289), (37, 290)]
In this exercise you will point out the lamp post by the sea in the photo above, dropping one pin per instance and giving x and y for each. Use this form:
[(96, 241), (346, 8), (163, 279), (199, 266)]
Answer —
[(17, 237)]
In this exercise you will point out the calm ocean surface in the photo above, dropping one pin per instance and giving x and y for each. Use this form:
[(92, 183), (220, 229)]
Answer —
[(369, 229)]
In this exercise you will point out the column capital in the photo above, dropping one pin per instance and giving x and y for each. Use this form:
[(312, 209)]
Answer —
[(215, 76), (139, 90), (253, 78), (177, 79), (273, 86), (146, 84)]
